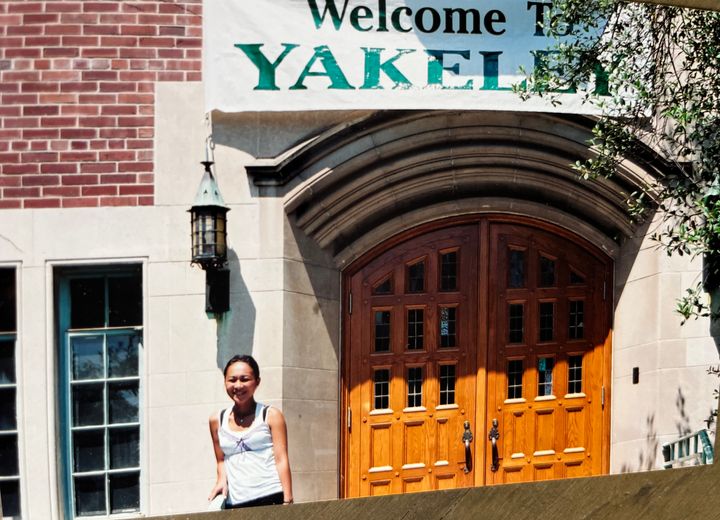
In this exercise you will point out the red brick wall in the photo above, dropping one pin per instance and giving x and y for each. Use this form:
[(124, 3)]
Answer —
[(77, 93)]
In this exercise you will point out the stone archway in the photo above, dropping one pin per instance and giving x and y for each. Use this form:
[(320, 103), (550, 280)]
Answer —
[(364, 181)]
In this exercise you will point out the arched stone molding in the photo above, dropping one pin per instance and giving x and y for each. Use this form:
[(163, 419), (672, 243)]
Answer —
[(366, 180), (473, 206)]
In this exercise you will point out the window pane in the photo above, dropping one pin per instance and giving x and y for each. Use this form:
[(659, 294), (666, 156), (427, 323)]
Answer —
[(545, 376), (516, 313), (87, 308), (576, 278), (124, 447), (122, 352), (416, 277), (547, 321), (415, 326), (87, 357), (414, 385), (88, 404), (90, 496), (576, 319), (123, 402), (125, 298), (7, 300), (514, 378), (7, 362), (10, 495), (547, 272), (382, 331), (574, 374), (516, 271), (89, 450), (448, 320), (384, 288), (8, 455), (8, 411), (124, 493), (447, 384), (448, 271), (382, 389)]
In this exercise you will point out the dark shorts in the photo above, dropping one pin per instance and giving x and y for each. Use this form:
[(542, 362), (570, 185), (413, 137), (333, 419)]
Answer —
[(269, 500)]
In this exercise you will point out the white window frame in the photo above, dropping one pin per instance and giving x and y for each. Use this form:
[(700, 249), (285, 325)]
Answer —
[(63, 273)]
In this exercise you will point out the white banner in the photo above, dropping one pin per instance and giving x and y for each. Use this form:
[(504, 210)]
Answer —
[(287, 55)]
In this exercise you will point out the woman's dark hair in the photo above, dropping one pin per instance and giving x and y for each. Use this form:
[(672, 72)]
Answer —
[(244, 359)]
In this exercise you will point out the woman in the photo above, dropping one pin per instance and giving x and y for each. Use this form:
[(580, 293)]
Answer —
[(250, 442)]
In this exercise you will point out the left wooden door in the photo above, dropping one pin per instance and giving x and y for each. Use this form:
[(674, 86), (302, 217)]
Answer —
[(412, 366)]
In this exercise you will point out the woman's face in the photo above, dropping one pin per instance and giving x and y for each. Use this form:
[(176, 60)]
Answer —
[(241, 383)]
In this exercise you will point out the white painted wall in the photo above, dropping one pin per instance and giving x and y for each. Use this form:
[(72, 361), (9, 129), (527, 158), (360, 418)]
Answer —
[(674, 392)]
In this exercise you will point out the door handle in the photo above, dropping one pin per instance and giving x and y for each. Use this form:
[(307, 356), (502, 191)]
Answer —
[(467, 438), (493, 436)]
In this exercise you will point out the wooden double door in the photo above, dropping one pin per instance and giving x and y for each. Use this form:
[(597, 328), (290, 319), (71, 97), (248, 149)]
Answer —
[(476, 353)]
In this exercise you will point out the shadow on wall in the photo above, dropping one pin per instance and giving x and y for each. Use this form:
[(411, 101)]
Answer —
[(683, 423), (649, 452), (325, 282), (630, 249), (235, 328)]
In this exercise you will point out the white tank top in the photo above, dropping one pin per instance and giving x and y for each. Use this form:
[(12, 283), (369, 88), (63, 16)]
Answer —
[(249, 459)]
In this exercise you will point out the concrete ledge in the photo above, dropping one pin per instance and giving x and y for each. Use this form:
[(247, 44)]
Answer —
[(676, 494)]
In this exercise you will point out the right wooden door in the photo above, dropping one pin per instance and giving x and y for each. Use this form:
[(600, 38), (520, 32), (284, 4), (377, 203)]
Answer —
[(546, 357)]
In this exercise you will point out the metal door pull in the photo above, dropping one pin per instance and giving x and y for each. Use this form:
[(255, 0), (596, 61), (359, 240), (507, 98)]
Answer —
[(467, 438), (493, 436)]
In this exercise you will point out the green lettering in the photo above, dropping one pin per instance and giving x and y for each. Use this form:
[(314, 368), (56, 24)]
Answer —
[(361, 12), (337, 17), (542, 63), (493, 17), (266, 69), (462, 19), (434, 19), (491, 70), (382, 22), (395, 19), (539, 15), (601, 81), (331, 70), (436, 66), (373, 67)]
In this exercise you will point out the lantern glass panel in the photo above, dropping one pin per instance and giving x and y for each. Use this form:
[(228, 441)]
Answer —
[(207, 225), (208, 234), (220, 246)]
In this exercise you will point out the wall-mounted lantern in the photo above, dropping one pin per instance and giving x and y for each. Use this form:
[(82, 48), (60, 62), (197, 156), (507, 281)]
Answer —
[(208, 218)]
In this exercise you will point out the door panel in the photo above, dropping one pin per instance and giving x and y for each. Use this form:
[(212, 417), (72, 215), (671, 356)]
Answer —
[(546, 356), (413, 365), (489, 317)]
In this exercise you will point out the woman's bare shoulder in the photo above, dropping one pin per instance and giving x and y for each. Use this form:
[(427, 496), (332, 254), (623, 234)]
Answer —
[(274, 415), (214, 418)]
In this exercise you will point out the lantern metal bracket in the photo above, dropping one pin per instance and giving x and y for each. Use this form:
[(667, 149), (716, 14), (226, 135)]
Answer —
[(217, 290)]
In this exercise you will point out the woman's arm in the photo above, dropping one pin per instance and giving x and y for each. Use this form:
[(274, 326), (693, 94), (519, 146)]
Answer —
[(278, 430), (221, 487)]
